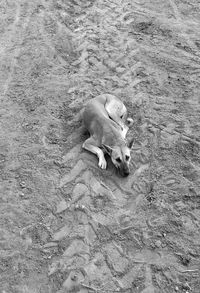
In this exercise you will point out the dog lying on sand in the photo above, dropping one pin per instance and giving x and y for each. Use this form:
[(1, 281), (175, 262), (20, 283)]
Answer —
[(105, 117)]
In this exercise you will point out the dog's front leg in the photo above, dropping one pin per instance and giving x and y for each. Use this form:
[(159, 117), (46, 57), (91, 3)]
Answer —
[(90, 145)]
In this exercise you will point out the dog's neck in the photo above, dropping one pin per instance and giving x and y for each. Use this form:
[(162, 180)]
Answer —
[(112, 139)]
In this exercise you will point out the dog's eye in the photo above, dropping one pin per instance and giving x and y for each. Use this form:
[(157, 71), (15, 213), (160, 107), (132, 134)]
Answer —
[(127, 158), (118, 160)]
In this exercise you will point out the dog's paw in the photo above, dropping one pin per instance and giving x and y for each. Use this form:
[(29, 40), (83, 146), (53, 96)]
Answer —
[(102, 163)]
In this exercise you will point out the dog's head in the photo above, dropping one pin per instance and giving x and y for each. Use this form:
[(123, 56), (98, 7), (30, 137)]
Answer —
[(120, 156)]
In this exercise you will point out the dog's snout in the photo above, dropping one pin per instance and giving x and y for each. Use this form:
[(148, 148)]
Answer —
[(126, 173)]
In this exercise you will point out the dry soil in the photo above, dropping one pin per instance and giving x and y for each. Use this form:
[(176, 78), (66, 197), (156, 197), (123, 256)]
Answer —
[(67, 226)]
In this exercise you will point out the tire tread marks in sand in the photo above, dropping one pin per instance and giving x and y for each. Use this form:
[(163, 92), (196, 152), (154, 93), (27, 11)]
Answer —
[(66, 225)]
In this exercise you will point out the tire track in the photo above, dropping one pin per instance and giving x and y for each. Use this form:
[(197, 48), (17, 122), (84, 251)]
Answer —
[(179, 18), (12, 29), (92, 230), (175, 9), (21, 28), (104, 204)]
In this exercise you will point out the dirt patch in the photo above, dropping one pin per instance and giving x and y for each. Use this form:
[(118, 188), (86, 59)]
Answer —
[(66, 225)]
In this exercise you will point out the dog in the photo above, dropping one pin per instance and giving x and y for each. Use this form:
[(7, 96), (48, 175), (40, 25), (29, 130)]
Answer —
[(105, 117)]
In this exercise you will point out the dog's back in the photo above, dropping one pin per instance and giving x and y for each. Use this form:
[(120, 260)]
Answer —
[(98, 123)]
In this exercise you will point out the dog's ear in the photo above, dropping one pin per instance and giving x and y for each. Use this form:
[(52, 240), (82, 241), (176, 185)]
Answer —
[(107, 148), (130, 143)]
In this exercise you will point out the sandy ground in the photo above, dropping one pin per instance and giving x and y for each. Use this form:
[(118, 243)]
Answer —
[(65, 225)]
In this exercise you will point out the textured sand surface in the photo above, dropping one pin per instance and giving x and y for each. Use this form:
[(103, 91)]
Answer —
[(66, 225)]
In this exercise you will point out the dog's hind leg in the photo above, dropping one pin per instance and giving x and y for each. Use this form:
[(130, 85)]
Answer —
[(116, 110), (90, 145), (115, 105)]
